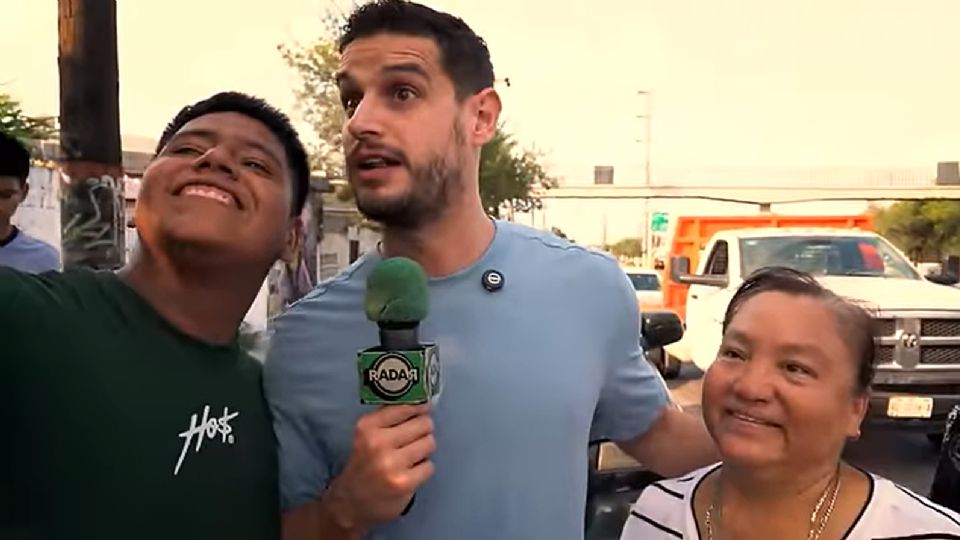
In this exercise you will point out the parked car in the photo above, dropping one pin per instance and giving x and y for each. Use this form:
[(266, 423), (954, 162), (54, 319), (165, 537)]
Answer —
[(649, 291), (646, 283)]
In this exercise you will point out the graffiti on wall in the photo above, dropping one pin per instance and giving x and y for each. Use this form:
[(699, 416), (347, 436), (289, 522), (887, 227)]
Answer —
[(92, 221), (299, 275), (292, 280)]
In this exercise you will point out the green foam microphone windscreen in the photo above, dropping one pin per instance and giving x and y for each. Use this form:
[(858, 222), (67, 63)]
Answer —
[(397, 292)]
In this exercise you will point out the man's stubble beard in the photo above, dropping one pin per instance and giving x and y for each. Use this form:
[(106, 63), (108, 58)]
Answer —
[(433, 185)]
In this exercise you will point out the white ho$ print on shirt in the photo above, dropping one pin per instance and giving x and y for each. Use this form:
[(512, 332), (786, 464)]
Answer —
[(202, 428)]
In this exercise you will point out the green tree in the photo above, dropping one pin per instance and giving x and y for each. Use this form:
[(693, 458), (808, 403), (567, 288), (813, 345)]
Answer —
[(507, 172), (14, 122), (628, 247), (318, 98), (924, 230)]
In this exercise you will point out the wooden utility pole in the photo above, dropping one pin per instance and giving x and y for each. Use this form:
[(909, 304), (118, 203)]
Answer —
[(92, 200)]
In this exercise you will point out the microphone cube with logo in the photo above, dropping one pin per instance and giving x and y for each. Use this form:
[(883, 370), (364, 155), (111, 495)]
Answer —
[(393, 377), (400, 369)]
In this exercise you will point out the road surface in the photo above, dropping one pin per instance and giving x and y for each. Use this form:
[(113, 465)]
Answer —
[(906, 458)]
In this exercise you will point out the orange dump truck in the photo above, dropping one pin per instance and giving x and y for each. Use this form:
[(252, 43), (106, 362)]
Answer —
[(694, 233), (917, 379)]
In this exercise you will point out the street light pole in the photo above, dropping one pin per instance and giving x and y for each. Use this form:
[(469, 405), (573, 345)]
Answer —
[(647, 118)]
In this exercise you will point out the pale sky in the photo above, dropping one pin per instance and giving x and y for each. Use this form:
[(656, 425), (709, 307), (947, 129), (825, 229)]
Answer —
[(737, 85)]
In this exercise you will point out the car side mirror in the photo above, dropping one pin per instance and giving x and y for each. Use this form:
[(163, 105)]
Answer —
[(680, 273), (660, 328), (943, 279)]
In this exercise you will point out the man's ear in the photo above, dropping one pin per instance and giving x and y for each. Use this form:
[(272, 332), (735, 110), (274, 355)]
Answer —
[(26, 191), (291, 247), (485, 111)]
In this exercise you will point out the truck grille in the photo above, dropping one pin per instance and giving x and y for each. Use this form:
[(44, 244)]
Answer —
[(939, 355), (886, 327), (911, 341), (940, 327)]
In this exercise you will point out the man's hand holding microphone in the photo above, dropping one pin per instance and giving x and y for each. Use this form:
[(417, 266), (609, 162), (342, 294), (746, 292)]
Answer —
[(390, 457), (388, 462)]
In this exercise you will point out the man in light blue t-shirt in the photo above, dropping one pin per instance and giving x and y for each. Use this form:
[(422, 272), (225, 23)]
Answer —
[(17, 249), (532, 371)]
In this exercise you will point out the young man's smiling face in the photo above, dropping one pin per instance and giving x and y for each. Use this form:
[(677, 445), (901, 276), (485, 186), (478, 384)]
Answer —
[(220, 186)]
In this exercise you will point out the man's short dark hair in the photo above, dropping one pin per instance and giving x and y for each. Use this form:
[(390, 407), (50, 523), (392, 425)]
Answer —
[(464, 54), (14, 158), (258, 109), (854, 321)]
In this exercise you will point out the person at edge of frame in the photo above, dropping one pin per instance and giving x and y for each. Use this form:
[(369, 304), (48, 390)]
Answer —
[(18, 249)]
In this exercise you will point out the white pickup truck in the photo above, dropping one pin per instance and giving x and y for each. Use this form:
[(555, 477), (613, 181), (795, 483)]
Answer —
[(918, 370)]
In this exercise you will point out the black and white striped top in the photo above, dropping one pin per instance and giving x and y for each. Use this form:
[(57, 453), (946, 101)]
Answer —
[(664, 511)]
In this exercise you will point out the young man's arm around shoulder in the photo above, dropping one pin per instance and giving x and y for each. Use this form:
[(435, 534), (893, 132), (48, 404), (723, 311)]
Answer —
[(51, 258), (13, 286)]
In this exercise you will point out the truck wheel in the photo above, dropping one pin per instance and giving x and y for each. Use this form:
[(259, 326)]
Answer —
[(670, 367)]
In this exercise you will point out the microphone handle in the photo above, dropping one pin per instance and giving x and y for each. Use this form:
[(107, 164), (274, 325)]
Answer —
[(400, 337), (409, 505)]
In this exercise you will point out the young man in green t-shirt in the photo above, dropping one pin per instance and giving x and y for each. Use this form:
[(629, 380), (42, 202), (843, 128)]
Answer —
[(127, 407)]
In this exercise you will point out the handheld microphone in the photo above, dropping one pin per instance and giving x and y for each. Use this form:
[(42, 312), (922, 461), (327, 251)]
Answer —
[(401, 370)]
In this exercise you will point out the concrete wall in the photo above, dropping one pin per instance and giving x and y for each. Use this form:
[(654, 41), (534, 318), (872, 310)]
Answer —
[(39, 215)]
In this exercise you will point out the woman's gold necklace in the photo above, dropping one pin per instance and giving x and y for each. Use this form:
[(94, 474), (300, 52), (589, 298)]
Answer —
[(818, 521)]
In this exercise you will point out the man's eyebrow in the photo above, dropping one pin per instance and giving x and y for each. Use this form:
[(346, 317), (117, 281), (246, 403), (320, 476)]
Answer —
[(211, 135), (409, 67), (341, 77)]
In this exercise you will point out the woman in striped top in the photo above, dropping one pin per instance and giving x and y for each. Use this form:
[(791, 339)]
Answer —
[(789, 387)]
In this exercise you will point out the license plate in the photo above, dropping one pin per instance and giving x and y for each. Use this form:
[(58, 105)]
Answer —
[(910, 407)]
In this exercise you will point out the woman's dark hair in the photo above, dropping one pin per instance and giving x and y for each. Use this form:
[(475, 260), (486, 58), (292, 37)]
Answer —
[(856, 323)]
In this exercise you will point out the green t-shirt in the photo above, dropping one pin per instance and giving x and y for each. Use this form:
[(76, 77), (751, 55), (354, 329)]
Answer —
[(117, 425)]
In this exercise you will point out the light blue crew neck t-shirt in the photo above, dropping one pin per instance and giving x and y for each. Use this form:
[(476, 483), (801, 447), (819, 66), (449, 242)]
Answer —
[(531, 374), (27, 254)]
